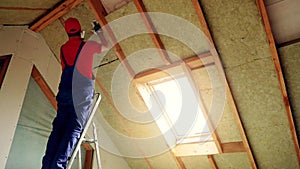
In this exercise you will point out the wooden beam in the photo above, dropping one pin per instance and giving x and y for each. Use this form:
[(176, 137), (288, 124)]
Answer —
[(288, 43), (277, 65), (22, 8), (212, 162), (178, 161), (233, 147), (152, 31), (88, 160), (230, 98), (99, 12), (56, 13), (193, 63), (35, 74)]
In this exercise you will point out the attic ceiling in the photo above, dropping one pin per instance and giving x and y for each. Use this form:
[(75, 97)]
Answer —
[(255, 113)]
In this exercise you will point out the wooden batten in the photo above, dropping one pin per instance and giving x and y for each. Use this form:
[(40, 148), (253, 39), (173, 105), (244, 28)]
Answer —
[(230, 98), (100, 13), (160, 72), (233, 147), (280, 77), (212, 161), (88, 160), (35, 74), (152, 31), (56, 13)]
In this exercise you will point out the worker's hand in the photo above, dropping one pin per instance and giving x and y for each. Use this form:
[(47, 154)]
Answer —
[(98, 31)]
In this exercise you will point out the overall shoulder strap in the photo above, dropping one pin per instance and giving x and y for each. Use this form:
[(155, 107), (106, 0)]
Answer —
[(63, 57), (78, 52)]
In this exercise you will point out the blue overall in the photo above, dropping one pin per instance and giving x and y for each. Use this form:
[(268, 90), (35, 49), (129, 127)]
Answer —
[(74, 100)]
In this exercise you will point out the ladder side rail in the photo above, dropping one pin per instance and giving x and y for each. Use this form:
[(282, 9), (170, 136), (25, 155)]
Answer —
[(88, 123)]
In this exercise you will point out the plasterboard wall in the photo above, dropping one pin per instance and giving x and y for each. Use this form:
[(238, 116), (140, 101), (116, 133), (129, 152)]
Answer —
[(27, 48)]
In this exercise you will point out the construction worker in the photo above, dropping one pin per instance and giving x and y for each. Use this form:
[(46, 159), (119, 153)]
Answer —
[(74, 98)]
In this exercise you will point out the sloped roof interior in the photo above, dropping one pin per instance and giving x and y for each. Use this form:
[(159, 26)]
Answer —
[(242, 45)]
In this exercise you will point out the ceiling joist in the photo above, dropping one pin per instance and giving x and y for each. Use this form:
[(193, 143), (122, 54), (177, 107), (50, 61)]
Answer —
[(152, 31), (56, 13), (212, 161), (274, 53), (100, 13), (230, 99)]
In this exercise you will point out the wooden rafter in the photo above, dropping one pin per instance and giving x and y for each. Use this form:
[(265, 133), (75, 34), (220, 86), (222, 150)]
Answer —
[(193, 63), (36, 75), (277, 65), (233, 147), (152, 31), (56, 13), (230, 98), (99, 12), (179, 161), (212, 161), (88, 160)]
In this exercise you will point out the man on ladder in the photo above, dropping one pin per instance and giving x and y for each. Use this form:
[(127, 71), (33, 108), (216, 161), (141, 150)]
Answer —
[(74, 98)]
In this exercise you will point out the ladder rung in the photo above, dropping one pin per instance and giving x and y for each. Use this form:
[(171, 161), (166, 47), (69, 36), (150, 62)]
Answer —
[(90, 140)]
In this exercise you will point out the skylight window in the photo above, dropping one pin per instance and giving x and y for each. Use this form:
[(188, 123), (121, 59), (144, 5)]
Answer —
[(175, 104)]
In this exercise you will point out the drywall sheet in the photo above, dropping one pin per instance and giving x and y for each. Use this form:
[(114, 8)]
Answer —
[(289, 57), (33, 129), (241, 42), (27, 49), (33, 48), (11, 99)]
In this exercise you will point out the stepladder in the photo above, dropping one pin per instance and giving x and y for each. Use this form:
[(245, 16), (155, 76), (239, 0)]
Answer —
[(83, 139)]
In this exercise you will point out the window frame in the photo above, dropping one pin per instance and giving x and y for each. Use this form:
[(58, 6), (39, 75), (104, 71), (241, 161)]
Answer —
[(143, 83)]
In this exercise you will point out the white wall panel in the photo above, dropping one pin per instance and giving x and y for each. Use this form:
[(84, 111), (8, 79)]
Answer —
[(12, 95), (28, 49)]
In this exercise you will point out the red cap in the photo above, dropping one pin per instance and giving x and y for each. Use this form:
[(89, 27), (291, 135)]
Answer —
[(72, 26)]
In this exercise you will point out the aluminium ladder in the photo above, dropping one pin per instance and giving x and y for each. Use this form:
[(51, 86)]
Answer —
[(82, 136)]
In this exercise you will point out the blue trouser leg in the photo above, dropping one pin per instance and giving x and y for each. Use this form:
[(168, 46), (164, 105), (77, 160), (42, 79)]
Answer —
[(69, 122), (58, 129), (68, 142)]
